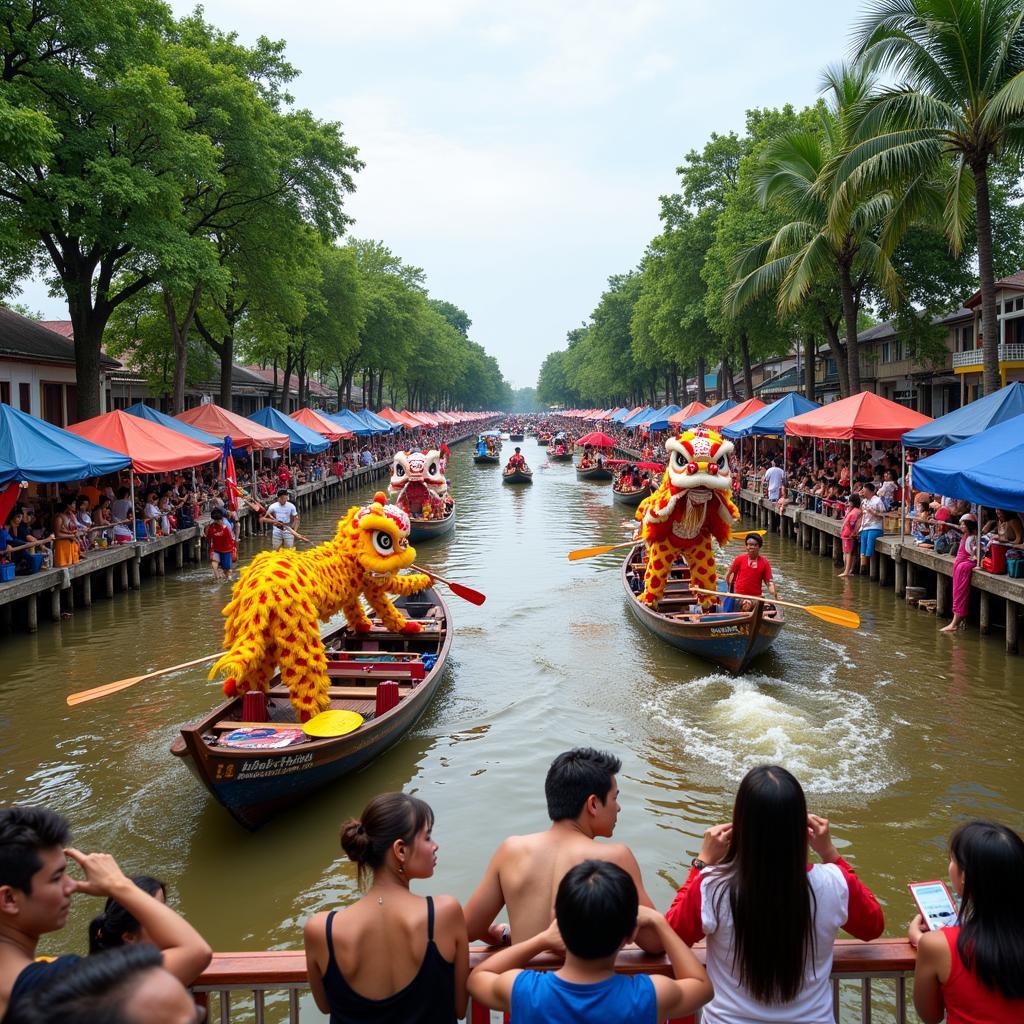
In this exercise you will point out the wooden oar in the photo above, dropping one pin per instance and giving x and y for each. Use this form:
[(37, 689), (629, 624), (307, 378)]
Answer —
[(284, 526), (825, 612), (122, 684), (575, 556), (459, 589)]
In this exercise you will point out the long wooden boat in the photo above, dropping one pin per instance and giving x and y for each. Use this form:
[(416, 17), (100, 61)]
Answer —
[(631, 498), (517, 476), (486, 460), (421, 530), (556, 454), (543, 440), (729, 639), (598, 473), (254, 784), (517, 437)]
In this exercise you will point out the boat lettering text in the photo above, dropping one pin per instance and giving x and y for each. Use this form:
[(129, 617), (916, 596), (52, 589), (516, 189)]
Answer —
[(724, 631), (272, 766)]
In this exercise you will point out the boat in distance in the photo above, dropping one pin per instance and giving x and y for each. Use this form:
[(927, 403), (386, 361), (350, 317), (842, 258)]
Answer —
[(254, 784), (517, 476), (631, 498), (595, 473), (421, 530), (731, 640)]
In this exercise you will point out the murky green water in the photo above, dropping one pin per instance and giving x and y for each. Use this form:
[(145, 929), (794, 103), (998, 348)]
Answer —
[(896, 731)]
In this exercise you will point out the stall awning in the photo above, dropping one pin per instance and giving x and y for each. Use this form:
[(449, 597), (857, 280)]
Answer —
[(726, 416), (151, 447), (987, 469), (1001, 405), (147, 412), (32, 449), (222, 423), (301, 440), (686, 412), (771, 420), (863, 417), (702, 416), (320, 424)]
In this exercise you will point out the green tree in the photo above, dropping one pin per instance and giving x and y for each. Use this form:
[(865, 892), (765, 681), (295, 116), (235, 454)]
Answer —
[(958, 108)]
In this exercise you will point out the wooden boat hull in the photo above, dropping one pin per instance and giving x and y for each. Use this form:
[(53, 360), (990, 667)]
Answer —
[(486, 460), (730, 640), (518, 477), (559, 456), (543, 442), (599, 474), (254, 785), (421, 530), (517, 437), (631, 498)]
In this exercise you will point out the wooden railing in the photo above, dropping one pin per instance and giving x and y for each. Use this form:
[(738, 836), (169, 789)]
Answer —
[(869, 982)]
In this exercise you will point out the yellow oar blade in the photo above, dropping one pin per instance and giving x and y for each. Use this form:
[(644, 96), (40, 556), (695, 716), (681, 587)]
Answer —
[(575, 556), (837, 616), (744, 534), (102, 691)]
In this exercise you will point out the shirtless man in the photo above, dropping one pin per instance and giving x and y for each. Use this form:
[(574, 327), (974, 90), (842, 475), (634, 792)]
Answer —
[(525, 871)]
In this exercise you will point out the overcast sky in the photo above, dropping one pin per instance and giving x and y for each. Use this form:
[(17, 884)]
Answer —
[(516, 151)]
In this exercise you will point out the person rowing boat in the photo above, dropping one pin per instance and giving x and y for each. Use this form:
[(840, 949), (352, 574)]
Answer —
[(748, 574)]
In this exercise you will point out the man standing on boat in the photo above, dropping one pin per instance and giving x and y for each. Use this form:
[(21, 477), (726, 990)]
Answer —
[(517, 462), (748, 573)]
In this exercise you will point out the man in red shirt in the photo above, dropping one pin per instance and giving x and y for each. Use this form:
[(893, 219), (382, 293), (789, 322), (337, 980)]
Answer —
[(222, 545), (749, 572)]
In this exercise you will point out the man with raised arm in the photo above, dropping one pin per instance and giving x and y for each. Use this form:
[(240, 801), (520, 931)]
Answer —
[(525, 871)]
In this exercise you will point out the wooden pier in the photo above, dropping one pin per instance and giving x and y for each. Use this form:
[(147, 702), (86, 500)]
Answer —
[(104, 572)]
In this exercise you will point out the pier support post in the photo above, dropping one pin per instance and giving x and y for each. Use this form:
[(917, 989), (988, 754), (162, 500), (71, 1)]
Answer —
[(873, 566), (179, 555), (55, 604), (158, 562), (108, 579), (6, 618), (32, 614), (1011, 627), (942, 587), (883, 570), (135, 571), (86, 591), (901, 577), (984, 612), (911, 574), (122, 570)]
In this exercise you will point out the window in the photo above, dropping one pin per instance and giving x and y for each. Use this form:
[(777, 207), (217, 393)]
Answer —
[(60, 403), (5, 392), (830, 367), (25, 397)]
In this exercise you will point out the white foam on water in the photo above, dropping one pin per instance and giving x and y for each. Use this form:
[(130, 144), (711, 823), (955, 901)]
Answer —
[(830, 737)]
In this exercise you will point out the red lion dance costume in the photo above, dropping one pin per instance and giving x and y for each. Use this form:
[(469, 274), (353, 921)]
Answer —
[(691, 506)]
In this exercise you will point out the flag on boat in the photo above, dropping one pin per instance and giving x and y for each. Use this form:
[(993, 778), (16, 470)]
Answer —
[(230, 480)]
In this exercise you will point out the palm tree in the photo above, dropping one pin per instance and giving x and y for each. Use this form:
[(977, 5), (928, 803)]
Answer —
[(958, 108), (848, 243)]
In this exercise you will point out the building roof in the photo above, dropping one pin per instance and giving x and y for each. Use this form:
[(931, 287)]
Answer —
[(63, 327), (275, 377), (1014, 282), (22, 338)]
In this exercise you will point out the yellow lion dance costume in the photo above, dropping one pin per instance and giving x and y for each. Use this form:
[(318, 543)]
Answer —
[(691, 507), (272, 618)]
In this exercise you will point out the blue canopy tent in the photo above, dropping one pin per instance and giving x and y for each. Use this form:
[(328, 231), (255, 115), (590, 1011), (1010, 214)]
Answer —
[(619, 416), (301, 440), (956, 426), (147, 412), (376, 423), (986, 469), (706, 414), (658, 420), (770, 422), (350, 421), (32, 449), (637, 418)]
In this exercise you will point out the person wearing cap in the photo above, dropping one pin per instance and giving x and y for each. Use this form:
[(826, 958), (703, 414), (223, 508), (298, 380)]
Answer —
[(748, 574), (963, 566)]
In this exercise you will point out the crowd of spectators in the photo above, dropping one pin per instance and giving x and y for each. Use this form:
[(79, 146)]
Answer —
[(768, 911)]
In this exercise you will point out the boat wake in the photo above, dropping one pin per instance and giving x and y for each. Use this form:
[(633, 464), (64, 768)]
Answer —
[(830, 737)]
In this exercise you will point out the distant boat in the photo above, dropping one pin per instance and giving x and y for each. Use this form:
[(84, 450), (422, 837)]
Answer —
[(517, 476), (427, 529), (729, 639), (631, 498), (595, 473)]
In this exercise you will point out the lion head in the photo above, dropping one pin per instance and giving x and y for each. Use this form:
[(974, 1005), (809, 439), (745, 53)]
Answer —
[(380, 537), (424, 468), (699, 459)]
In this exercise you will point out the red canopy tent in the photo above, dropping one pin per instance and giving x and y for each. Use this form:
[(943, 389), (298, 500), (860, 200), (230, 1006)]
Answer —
[(400, 418), (320, 424), (153, 448), (686, 412), (244, 433), (863, 417), (737, 412)]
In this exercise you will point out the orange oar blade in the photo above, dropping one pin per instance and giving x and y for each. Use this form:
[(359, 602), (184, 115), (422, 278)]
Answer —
[(102, 691), (837, 616), (575, 556)]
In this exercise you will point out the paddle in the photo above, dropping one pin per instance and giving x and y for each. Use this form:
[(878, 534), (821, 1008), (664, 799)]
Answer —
[(575, 556), (825, 612), (284, 526), (466, 593), (122, 684)]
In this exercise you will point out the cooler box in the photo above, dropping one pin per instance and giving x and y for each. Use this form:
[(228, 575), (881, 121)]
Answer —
[(6, 572)]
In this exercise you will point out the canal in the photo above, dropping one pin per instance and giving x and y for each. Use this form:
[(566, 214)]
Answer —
[(896, 731)]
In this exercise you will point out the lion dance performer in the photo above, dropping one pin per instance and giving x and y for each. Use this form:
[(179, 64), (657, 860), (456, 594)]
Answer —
[(418, 484), (691, 507), (273, 617)]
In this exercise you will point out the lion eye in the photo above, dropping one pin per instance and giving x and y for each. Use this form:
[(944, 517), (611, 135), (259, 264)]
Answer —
[(382, 542), (400, 469), (677, 462), (432, 469)]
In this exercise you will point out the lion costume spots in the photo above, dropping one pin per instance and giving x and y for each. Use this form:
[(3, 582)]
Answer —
[(691, 507), (279, 600)]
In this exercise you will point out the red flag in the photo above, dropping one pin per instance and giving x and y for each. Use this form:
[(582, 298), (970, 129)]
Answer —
[(230, 480), (8, 499)]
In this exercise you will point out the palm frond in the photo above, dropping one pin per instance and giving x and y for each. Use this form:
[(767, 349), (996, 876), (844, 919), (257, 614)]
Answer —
[(814, 261), (959, 204), (1005, 107), (882, 270), (762, 280)]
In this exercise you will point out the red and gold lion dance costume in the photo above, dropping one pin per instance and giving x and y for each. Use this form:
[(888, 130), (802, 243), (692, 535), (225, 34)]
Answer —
[(691, 507), (281, 597)]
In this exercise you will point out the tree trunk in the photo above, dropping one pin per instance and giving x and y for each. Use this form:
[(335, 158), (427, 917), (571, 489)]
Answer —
[(810, 367), (675, 384), (702, 391), (366, 405), (748, 376), (850, 323), (835, 346), (87, 324), (380, 389), (179, 340), (986, 273), (272, 398), (286, 379)]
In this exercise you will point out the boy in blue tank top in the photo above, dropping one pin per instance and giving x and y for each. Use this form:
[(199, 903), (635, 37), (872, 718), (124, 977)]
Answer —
[(596, 913)]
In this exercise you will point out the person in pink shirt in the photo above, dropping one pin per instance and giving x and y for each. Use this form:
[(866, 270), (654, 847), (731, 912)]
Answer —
[(851, 526)]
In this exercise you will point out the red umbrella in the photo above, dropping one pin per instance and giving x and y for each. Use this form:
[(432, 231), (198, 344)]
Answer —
[(597, 440)]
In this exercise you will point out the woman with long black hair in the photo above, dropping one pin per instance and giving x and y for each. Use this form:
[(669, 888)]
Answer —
[(973, 973), (770, 918)]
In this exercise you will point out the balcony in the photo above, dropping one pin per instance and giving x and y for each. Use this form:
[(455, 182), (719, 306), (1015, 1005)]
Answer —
[(869, 982), (975, 357)]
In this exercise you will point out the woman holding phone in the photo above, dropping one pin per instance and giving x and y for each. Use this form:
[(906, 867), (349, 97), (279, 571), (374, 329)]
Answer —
[(973, 973), (770, 918)]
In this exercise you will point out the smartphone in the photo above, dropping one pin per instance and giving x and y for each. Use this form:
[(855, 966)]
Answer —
[(935, 903)]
